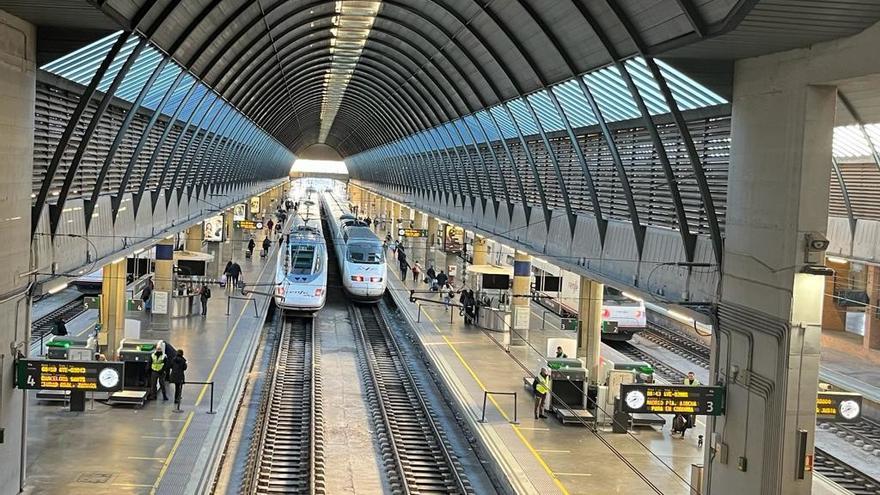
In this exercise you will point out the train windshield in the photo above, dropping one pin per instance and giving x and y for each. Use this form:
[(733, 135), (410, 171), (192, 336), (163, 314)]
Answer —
[(303, 259), (614, 297), (365, 253)]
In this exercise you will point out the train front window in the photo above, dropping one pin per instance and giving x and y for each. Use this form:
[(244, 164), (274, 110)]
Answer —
[(365, 253), (302, 258)]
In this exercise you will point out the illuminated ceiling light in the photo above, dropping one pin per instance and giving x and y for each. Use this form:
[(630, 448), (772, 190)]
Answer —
[(350, 29), (836, 260)]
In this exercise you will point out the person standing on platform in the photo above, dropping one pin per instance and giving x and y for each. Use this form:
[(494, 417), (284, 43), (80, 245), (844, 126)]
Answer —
[(690, 420), (204, 295), (266, 245), (402, 261), (448, 293), (178, 375), (431, 277), (560, 354), (541, 387), (157, 375), (236, 274), (60, 327), (417, 271), (147, 295), (251, 245)]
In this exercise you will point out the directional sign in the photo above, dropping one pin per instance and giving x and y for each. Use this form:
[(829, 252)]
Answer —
[(412, 232), (248, 225), (672, 399), (45, 374), (840, 407)]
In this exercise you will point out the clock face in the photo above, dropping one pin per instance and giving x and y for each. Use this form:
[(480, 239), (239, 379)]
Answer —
[(108, 377), (635, 399), (849, 409)]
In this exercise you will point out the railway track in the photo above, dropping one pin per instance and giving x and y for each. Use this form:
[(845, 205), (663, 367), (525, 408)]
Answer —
[(416, 456), (662, 369), (286, 454), (43, 326), (865, 434)]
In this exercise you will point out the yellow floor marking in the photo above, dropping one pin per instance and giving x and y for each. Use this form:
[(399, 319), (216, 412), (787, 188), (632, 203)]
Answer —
[(172, 420), (131, 485), (573, 474), (147, 459), (151, 437), (533, 429), (201, 395), (551, 451), (500, 410)]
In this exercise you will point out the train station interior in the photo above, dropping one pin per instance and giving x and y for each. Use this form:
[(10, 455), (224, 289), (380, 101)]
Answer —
[(440, 246)]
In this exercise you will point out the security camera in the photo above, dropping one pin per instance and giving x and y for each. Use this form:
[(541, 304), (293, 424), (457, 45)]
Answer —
[(817, 242)]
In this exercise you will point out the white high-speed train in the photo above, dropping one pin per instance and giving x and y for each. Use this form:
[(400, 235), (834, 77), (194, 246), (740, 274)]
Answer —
[(359, 252), (301, 273)]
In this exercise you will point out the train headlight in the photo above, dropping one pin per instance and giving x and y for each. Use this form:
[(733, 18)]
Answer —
[(357, 278), (375, 279), (279, 291), (318, 292), (606, 313)]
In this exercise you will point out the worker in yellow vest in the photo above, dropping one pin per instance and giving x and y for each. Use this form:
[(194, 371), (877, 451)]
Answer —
[(541, 387), (157, 375)]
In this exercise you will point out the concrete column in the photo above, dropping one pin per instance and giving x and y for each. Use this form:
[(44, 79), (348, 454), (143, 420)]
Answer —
[(433, 228), (194, 237), (769, 318), (17, 95), (164, 276), (420, 244), (481, 251), (590, 325), (113, 306), (871, 340), (395, 219), (521, 313)]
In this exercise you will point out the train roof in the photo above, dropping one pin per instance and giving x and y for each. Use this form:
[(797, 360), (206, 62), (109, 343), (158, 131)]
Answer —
[(361, 234)]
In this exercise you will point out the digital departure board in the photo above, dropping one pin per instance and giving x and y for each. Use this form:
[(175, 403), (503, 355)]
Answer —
[(672, 399), (248, 224), (840, 407), (86, 376), (412, 232)]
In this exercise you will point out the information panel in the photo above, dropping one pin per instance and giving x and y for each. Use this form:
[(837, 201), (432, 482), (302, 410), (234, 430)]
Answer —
[(94, 376), (248, 225), (672, 399), (840, 407), (453, 239), (412, 232)]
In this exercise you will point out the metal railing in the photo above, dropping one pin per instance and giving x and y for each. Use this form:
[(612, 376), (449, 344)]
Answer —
[(487, 393), (210, 398)]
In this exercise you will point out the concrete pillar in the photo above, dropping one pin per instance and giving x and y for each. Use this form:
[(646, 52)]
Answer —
[(481, 251), (194, 237), (395, 215), (420, 244), (433, 228), (113, 306), (590, 325), (521, 312), (164, 276), (770, 314), (871, 341), (17, 95)]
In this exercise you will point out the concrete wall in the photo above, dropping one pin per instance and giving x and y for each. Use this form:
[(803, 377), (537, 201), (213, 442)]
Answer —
[(580, 252), (17, 95)]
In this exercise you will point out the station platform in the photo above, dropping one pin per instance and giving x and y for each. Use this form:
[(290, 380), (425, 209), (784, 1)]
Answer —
[(154, 449), (541, 456), (848, 365)]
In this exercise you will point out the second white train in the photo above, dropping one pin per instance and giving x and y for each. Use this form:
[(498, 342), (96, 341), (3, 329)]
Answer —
[(359, 252), (301, 274)]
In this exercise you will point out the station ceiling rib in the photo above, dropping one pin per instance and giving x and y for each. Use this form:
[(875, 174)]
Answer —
[(322, 70)]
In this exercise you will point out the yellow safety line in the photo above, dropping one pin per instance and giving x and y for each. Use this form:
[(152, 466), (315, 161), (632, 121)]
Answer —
[(500, 410), (189, 418)]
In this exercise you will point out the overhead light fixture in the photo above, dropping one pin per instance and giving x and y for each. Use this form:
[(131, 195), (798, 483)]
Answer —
[(836, 260), (57, 288), (118, 260), (632, 296)]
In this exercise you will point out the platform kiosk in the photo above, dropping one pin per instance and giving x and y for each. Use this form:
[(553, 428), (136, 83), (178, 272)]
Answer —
[(492, 290), (67, 348), (136, 356)]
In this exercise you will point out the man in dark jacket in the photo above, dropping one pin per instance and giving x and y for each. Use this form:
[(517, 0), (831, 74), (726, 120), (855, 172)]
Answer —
[(266, 245), (442, 278), (402, 261), (204, 295), (177, 375), (60, 327)]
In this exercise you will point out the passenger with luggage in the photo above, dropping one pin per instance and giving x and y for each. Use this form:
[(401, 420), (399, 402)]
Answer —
[(682, 422), (177, 376), (266, 244), (404, 264), (448, 294), (417, 271), (234, 274), (442, 278), (250, 247), (431, 278)]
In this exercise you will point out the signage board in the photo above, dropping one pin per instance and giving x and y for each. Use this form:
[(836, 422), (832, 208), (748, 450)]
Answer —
[(453, 239), (412, 232), (248, 225), (840, 407), (160, 302), (672, 399), (134, 305), (213, 229), (86, 376), (239, 212), (255, 205)]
